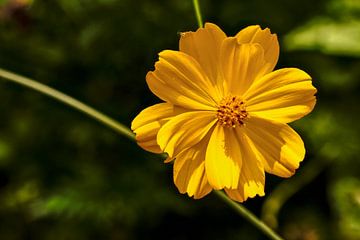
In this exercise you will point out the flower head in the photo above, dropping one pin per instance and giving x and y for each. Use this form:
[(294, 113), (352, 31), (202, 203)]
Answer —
[(225, 112)]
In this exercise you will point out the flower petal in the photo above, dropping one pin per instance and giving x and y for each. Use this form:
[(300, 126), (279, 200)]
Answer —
[(268, 41), (252, 175), (223, 158), (278, 146), (204, 46), (189, 171), (179, 79), (283, 95), (241, 65), (184, 131), (147, 123)]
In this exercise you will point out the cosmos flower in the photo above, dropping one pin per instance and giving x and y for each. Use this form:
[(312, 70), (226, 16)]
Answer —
[(225, 112)]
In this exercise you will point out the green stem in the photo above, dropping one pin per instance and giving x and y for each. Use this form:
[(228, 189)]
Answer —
[(27, 82), (198, 13), (249, 216), (123, 130)]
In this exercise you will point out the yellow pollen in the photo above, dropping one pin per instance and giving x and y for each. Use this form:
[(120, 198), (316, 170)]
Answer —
[(231, 112)]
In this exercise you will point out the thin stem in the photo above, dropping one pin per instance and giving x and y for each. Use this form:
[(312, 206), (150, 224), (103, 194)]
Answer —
[(123, 130), (198, 13), (249, 216), (27, 82)]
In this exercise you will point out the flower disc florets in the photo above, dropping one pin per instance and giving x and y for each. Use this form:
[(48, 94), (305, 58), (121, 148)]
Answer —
[(231, 112)]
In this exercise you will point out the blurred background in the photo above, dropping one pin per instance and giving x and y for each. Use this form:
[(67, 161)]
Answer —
[(65, 176)]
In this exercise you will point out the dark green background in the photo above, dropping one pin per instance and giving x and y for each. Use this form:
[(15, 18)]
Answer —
[(65, 176)]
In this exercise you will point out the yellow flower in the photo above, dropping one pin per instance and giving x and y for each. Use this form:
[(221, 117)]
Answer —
[(225, 112)]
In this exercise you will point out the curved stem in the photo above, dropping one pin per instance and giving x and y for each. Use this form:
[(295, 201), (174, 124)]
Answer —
[(245, 213), (198, 13), (123, 130), (27, 82)]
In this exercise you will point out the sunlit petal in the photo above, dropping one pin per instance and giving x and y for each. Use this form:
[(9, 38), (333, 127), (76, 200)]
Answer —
[(223, 159), (184, 131), (268, 41), (204, 45), (252, 174), (146, 125), (283, 95), (189, 171), (241, 65), (179, 79), (278, 146)]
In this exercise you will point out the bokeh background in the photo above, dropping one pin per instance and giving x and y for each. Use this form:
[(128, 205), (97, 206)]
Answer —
[(65, 176)]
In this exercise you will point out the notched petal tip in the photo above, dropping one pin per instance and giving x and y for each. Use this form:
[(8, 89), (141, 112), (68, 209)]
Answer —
[(241, 64), (236, 42), (148, 122), (149, 75), (284, 95), (212, 26), (201, 195), (163, 54), (268, 40), (203, 46), (185, 34), (207, 26), (189, 171), (239, 195), (276, 145), (167, 53)]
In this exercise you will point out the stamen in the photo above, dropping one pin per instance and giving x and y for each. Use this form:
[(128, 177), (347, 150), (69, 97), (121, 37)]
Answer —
[(232, 112)]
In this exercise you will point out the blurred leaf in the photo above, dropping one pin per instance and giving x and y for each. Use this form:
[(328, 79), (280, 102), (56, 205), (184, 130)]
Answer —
[(345, 199), (346, 8), (22, 195), (5, 152), (335, 33), (329, 134), (328, 36)]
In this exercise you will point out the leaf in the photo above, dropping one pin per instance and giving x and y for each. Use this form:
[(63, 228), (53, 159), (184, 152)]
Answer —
[(345, 195), (328, 36)]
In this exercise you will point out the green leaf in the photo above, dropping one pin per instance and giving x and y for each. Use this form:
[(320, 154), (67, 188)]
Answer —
[(328, 36), (345, 194)]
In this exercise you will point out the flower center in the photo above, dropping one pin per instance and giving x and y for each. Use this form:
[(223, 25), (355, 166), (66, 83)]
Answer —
[(231, 112)]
